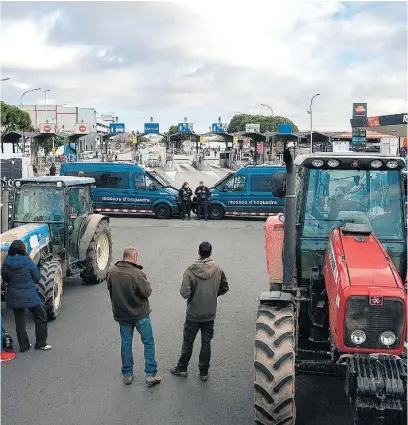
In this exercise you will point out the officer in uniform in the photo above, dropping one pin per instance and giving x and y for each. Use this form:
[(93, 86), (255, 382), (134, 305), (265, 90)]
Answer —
[(185, 194), (203, 194)]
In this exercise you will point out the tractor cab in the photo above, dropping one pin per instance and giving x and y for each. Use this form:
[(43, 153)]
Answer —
[(346, 188), (62, 203)]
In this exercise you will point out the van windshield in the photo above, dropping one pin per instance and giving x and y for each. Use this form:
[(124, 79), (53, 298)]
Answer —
[(222, 181), (159, 179), (335, 197)]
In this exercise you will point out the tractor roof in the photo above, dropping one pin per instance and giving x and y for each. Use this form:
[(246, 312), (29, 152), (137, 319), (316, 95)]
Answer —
[(66, 180), (306, 160)]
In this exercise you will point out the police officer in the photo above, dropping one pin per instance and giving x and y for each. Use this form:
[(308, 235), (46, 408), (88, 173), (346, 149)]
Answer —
[(203, 194), (185, 194)]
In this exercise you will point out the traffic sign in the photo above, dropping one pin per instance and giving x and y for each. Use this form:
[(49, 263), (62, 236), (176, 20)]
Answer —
[(82, 128), (358, 139), (252, 128), (47, 128), (185, 127), (235, 140), (202, 139), (285, 129), (134, 140), (217, 127), (151, 128), (116, 128)]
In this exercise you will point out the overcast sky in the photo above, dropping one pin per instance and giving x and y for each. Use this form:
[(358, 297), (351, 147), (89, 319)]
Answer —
[(206, 59)]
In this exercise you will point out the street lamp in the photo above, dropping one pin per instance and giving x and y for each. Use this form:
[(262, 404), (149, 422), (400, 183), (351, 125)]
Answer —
[(310, 112), (21, 107), (46, 108), (5, 79), (273, 125)]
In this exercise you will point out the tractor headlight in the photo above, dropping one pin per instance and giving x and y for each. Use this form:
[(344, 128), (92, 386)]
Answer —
[(333, 163), (317, 163), (376, 163), (358, 337), (59, 184), (388, 338), (18, 183), (392, 164)]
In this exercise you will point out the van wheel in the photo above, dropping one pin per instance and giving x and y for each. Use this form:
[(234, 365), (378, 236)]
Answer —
[(216, 212), (162, 211)]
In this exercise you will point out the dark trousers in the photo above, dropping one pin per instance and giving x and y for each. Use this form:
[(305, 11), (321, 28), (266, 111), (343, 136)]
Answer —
[(185, 208), (202, 209), (190, 331), (40, 320)]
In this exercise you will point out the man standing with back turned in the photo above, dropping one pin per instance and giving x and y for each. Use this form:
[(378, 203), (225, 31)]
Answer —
[(203, 282), (129, 291)]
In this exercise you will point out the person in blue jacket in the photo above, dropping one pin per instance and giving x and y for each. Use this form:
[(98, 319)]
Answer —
[(21, 275)]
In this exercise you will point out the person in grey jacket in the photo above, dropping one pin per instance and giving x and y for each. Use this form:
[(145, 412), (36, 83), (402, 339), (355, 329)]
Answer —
[(203, 282)]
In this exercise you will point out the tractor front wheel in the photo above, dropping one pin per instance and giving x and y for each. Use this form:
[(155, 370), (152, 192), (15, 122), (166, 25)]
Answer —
[(50, 288), (274, 361), (98, 256)]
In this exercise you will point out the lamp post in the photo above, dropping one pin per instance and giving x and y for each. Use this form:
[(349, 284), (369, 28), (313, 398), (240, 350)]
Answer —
[(310, 112), (21, 107), (5, 79), (273, 125)]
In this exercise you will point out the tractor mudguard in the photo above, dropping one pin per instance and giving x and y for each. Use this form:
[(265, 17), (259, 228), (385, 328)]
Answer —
[(90, 225), (273, 297), (274, 248)]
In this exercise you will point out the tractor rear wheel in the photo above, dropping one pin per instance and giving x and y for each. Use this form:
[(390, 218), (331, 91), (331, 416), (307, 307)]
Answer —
[(99, 255), (50, 288), (274, 361)]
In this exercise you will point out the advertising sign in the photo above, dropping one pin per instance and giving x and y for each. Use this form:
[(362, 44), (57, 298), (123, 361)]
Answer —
[(217, 127), (151, 128), (373, 121), (202, 139), (47, 128), (252, 128), (359, 110), (285, 128), (116, 128), (259, 148), (185, 127), (81, 128), (358, 139)]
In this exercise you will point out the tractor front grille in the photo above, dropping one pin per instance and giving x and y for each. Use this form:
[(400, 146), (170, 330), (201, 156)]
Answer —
[(373, 320)]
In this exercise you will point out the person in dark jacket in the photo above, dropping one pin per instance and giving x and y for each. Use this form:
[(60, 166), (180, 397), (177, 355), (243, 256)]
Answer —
[(21, 275), (129, 292), (53, 170), (203, 282), (185, 194), (203, 195)]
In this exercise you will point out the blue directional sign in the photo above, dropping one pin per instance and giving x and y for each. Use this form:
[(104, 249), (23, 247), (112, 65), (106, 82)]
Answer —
[(285, 129), (116, 128), (151, 128), (185, 127), (217, 127)]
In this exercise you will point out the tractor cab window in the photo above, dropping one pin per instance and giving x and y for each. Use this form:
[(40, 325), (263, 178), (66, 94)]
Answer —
[(335, 197), (39, 203), (79, 200)]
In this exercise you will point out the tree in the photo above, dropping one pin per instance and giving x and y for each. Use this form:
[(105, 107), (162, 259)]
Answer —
[(47, 143), (14, 119), (173, 129), (268, 123)]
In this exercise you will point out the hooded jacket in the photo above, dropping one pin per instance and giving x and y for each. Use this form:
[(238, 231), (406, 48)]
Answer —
[(129, 291), (20, 275), (203, 282)]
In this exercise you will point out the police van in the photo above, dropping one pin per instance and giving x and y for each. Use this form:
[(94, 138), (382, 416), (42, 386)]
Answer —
[(246, 192), (127, 188)]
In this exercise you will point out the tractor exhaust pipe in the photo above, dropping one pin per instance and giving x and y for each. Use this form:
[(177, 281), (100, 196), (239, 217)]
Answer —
[(289, 242)]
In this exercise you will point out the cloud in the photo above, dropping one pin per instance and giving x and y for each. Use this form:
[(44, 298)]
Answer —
[(203, 60)]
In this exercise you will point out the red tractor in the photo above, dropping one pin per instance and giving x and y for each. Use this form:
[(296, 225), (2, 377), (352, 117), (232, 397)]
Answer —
[(337, 263)]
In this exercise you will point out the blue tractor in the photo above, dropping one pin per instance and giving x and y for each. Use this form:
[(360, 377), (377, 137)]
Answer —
[(54, 217)]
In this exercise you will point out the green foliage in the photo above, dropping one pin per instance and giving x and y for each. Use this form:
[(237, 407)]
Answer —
[(14, 119), (268, 123), (59, 140), (173, 129)]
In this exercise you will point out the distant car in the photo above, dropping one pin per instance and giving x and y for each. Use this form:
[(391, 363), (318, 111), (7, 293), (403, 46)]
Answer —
[(88, 154)]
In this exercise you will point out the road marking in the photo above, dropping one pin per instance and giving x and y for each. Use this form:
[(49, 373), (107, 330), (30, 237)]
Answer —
[(171, 174)]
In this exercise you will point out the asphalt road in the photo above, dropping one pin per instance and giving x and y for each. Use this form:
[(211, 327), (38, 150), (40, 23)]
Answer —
[(79, 381)]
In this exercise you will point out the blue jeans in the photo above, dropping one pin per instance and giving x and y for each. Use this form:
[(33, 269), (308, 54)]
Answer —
[(144, 327)]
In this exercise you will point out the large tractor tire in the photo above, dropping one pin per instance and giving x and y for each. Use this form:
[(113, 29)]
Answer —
[(99, 255), (50, 288), (274, 361)]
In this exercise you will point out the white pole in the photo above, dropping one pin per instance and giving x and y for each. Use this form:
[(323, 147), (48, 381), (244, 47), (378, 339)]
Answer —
[(311, 122), (21, 107)]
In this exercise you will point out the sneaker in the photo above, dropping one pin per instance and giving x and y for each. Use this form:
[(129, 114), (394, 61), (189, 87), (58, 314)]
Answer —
[(177, 372), (46, 347), (204, 377), (127, 380), (6, 356), (26, 349), (153, 380)]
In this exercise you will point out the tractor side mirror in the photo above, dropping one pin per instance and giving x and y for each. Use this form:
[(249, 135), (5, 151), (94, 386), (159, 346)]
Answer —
[(279, 185)]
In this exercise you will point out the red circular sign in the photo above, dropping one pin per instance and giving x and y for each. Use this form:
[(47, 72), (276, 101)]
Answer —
[(47, 128), (82, 128)]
